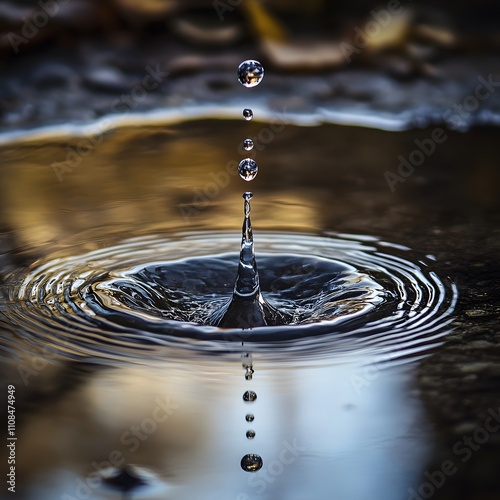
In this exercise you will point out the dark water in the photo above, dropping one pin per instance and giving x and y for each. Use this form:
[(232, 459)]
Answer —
[(113, 262)]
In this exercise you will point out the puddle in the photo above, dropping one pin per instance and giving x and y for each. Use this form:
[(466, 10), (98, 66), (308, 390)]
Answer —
[(126, 379)]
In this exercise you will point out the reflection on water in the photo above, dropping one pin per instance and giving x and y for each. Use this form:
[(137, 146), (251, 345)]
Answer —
[(182, 423), (174, 425)]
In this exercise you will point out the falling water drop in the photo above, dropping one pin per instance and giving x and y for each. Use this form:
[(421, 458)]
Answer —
[(249, 373), (251, 463), (250, 73), (247, 308), (247, 114), (248, 144), (248, 169), (250, 434), (249, 417), (247, 357), (249, 396)]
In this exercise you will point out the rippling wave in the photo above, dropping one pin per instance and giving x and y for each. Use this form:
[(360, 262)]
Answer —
[(345, 294)]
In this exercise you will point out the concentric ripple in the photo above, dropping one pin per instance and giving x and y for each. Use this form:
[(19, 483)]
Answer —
[(343, 294)]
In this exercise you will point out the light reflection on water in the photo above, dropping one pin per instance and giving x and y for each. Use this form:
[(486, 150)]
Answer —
[(363, 431), (348, 431)]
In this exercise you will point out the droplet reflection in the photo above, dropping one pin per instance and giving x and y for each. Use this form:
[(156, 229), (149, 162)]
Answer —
[(248, 169), (247, 114), (249, 396), (249, 373), (251, 463), (250, 73)]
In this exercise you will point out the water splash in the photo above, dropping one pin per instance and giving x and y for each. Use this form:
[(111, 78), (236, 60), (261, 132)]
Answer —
[(247, 307), (344, 294)]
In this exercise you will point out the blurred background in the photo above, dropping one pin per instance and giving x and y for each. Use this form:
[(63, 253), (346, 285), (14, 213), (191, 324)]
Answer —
[(70, 60), (351, 90)]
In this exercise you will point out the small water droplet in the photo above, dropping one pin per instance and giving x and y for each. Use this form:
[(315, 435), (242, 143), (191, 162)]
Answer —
[(250, 73), (248, 169), (251, 463), (249, 396), (248, 144), (249, 373), (249, 417), (250, 434), (247, 114)]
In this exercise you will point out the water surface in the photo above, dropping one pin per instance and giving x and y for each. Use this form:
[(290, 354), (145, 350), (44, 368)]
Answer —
[(347, 408)]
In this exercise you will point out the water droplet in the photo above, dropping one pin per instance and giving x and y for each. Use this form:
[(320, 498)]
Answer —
[(249, 417), (250, 434), (247, 114), (251, 463), (250, 73), (249, 396), (249, 373), (246, 356), (248, 169), (248, 144)]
